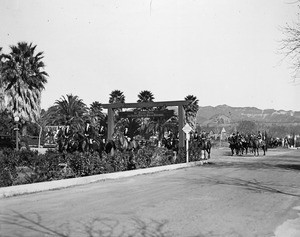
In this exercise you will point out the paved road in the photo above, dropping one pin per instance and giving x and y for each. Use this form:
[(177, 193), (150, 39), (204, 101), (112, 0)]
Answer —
[(232, 196)]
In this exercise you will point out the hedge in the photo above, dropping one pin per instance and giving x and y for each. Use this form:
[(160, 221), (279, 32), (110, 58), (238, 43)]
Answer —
[(27, 166)]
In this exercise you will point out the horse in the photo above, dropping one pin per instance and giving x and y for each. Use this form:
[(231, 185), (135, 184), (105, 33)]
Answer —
[(205, 144), (110, 147), (256, 144), (60, 140), (171, 143), (245, 144), (235, 146), (126, 144)]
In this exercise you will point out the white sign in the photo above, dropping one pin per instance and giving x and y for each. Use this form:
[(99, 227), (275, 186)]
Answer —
[(187, 128)]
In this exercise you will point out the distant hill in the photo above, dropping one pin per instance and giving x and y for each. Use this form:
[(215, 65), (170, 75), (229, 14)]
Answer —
[(226, 115)]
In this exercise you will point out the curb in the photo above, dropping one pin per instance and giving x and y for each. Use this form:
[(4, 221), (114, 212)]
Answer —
[(65, 183)]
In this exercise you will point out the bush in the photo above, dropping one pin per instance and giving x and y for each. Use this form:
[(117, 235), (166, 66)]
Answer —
[(8, 164), (26, 166)]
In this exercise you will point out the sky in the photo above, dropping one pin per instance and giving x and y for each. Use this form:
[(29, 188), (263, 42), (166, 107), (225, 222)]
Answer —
[(222, 52)]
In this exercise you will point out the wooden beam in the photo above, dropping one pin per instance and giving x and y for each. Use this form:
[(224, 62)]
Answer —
[(146, 104), (111, 124), (181, 115)]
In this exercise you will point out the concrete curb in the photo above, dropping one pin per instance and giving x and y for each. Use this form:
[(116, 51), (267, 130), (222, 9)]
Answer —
[(59, 184)]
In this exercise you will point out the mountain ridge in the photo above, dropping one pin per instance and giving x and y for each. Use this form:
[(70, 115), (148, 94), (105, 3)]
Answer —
[(224, 114)]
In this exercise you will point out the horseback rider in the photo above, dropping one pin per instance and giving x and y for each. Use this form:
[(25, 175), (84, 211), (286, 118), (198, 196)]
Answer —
[(126, 133), (170, 135), (238, 137), (102, 133), (68, 132), (88, 132), (196, 136), (259, 137), (203, 135)]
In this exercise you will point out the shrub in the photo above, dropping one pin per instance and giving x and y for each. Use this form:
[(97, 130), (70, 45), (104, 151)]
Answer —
[(26, 166), (8, 164)]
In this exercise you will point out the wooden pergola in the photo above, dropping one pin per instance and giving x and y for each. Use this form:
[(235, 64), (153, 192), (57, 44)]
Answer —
[(179, 103)]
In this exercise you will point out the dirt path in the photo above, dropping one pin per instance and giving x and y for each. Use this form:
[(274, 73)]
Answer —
[(232, 196)]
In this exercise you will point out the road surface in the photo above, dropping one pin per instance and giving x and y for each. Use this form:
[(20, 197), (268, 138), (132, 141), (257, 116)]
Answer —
[(231, 196)]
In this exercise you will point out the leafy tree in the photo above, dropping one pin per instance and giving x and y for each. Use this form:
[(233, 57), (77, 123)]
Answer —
[(290, 45), (70, 108), (191, 110), (23, 78), (246, 127)]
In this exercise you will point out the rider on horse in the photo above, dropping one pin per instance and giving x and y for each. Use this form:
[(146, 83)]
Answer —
[(102, 133), (68, 132), (196, 136), (88, 133), (259, 137)]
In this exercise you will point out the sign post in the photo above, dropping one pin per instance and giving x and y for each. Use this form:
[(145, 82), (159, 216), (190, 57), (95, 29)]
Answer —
[(187, 129)]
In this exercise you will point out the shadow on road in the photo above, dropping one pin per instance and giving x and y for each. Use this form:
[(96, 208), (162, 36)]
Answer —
[(31, 224), (249, 185)]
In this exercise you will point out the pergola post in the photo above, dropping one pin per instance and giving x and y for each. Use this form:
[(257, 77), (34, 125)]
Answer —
[(110, 125), (180, 125)]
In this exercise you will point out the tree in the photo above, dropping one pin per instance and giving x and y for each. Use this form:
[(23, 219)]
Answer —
[(116, 96), (96, 114), (145, 96), (67, 109), (23, 80), (191, 110), (290, 45), (246, 127), (2, 95)]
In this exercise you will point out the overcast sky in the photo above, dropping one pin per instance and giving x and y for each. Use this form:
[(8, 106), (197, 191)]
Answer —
[(223, 52)]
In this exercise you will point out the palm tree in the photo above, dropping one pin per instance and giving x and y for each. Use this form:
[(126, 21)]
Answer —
[(145, 96), (116, 96), (2, 95), (23, 79), (96, 114), (191, 110), (67, 109)]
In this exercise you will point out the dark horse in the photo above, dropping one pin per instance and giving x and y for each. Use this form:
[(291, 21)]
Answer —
[(235, 146), (256, 144), (171, 143), (205, 145)]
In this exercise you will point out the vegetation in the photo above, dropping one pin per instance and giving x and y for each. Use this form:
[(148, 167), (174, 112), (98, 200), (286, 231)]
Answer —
[(290, 46), (23, 79), (27, 166)]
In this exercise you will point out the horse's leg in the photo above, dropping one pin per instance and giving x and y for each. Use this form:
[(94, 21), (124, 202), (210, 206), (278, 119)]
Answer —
[(208, 153)]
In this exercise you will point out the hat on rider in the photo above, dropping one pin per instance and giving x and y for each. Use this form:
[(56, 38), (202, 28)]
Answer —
[(87, 121)]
